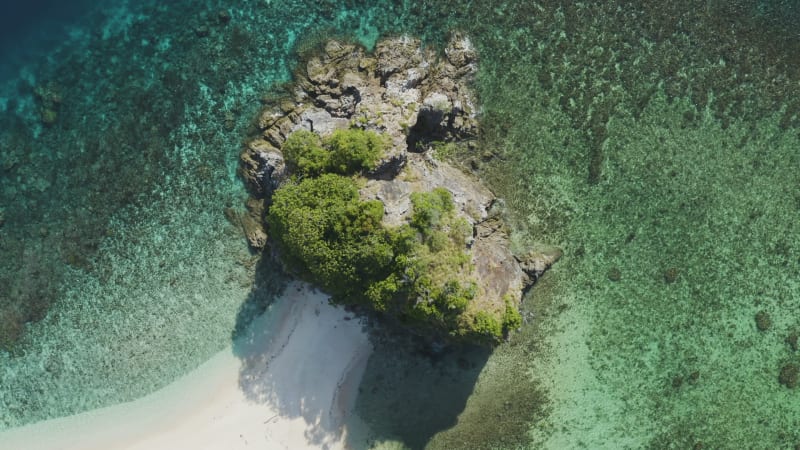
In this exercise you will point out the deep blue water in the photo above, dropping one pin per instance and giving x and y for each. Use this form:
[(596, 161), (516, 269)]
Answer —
[(28, 29)]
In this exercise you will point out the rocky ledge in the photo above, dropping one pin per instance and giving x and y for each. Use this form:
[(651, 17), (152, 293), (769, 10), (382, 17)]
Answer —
[(419, 100)]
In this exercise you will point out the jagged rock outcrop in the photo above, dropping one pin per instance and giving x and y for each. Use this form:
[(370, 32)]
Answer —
[(415, 97), (402, 90)]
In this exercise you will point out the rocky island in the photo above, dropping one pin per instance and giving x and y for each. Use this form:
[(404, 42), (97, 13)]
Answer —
[(349, 178)]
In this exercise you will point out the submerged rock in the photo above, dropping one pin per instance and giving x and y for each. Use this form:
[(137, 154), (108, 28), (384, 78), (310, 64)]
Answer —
[(253, 224), (763, 321), (417, 99), (792, 341), (789, 375)]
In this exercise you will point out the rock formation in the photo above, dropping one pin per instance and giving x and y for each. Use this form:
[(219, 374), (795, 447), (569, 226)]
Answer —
[(418, 99)]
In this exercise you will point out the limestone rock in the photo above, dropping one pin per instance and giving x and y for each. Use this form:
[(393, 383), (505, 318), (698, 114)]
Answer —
[(253, 224), (335, 49), (262, 167), (320, 121), (398, 54), (460, 51), (254, 231), (536, 262), (415, 98), (269, 116)]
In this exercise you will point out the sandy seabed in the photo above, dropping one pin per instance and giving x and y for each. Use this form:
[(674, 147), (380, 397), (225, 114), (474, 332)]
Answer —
[(289, 382)]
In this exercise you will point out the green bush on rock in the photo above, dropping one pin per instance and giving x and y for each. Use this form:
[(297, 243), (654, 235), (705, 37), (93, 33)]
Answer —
[(419, 272), (485, 324), (304, 153), (354, 150), (511, 316), (345, 152), (429, 208), (331, 237), (437, 267)]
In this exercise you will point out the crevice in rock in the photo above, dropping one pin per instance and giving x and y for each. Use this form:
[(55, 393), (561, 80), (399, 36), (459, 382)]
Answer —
[(427, 129)]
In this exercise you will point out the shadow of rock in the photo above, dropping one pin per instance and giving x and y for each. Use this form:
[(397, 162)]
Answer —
[(314, 366), (301, 359), (408, 393)]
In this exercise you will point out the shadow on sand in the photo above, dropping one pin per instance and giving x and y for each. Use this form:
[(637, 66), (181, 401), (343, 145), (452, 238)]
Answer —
[(408, 393)]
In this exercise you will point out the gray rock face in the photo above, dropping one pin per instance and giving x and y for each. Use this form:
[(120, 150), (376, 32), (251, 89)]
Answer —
[(416, 98), (402, 90), (536, 262), (262, 167)]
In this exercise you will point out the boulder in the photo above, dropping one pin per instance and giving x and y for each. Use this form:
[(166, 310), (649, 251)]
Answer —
[(253, 229), (398, 54), (262, 168), (536, 262), (460, 51)]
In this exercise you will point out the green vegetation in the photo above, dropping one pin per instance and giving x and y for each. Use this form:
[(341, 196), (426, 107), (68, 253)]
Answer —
[(354, 150), (444, 150), (304, 153), (429, 207), (511, 317), (419, 272), (437, 267), (332, 238), (484, 323), (344, 152)]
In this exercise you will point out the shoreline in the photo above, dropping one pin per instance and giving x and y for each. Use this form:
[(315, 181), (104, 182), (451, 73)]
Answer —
[(282, 384)]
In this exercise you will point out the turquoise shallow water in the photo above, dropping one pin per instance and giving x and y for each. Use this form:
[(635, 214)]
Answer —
[(123, 266), (656, 144)]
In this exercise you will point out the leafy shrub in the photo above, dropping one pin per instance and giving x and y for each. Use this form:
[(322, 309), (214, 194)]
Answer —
[(486, 325), (511, 317), (444, 151), (304, 153), (354, 150), (345, 152), (429, 207), (328, 235), (438, 267)]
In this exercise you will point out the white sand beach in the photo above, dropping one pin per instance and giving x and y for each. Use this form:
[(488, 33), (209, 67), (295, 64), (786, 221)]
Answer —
[(289, 383)]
